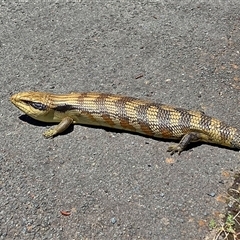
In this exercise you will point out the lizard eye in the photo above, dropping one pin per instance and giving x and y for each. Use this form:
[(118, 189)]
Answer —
[(37, 105)]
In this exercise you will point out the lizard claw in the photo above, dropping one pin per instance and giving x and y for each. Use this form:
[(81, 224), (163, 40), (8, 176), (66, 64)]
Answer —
[(49, 133), (175, 148)]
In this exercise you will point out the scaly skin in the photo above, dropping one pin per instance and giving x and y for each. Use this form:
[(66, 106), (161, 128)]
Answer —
[(127, 113)]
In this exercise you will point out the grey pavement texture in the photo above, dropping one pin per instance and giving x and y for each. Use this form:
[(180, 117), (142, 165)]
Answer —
[(116, 185)]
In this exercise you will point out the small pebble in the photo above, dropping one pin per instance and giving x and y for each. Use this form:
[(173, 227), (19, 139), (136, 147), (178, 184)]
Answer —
[(113, 220), (212, 194)]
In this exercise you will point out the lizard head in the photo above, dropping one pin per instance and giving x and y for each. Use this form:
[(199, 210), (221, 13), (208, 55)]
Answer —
[(34, 104)]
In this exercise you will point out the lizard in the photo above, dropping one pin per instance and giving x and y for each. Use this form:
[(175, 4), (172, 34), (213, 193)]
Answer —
[(126, 113)]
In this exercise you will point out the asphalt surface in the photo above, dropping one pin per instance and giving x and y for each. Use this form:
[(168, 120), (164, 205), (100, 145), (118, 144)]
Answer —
[(116, 185)]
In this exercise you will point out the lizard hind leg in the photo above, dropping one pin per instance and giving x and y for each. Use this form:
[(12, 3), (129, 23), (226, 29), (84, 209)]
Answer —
[(186, 139)]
